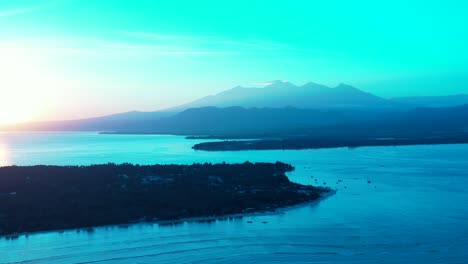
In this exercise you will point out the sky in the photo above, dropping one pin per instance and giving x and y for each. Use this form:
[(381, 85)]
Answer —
[(67, 59)]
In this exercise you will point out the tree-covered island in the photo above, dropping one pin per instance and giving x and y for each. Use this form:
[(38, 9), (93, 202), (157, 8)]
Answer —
[(38, 198)]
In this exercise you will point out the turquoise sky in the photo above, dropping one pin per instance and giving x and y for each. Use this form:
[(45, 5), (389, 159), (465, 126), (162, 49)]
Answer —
[(84, 58)]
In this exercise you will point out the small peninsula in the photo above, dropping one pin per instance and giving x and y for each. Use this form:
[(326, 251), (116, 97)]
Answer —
[(327, 142), (40, 198)]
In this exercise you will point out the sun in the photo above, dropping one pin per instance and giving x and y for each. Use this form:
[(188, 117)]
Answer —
[(21, 86), (12, 110)]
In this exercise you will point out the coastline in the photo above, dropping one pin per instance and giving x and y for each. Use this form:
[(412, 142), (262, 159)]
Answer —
[(72, 197), (278, 142), (209, 218), (294, 144)]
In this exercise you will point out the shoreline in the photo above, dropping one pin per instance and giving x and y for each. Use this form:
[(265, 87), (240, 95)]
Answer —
[(199, 219), (285, 144), (75, 197), (275, 142)]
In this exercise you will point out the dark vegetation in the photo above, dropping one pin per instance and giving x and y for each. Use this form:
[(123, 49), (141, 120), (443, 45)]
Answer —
[(326, 142), (36, 198)]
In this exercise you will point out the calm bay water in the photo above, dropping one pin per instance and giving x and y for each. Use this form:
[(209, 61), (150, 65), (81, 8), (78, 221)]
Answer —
[(394, 205)]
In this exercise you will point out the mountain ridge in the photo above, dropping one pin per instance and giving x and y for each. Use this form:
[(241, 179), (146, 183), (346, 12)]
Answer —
[(277, 94), (283, 93)]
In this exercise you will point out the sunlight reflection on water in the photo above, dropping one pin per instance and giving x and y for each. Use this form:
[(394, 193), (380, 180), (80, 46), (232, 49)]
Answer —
[(4, 154)]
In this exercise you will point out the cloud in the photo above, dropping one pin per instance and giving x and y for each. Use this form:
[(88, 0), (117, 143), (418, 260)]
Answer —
[(147, 35), (97, 47), (269, 82), (142, 44), (209, 41), (29, 9)]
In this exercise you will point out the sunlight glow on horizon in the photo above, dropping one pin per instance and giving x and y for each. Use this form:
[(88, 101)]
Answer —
[(4, 155), (23, 80), (67, 59)]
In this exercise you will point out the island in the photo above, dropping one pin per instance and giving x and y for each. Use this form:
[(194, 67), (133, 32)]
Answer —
[(39, 198), (333, 141)]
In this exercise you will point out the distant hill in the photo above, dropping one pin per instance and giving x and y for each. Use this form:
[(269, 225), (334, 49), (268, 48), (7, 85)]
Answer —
[(239, 120), (278, 106), (115, 122), (283, 94), (432, 101), (430, 119), (257, 122)]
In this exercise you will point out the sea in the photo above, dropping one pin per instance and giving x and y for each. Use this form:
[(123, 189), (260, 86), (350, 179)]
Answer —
[(401, 204)]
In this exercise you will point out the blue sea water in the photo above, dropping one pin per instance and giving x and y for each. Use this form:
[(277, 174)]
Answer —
[(406, 204)]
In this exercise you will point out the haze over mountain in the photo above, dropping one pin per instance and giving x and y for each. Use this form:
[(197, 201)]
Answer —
[(341, 104), (113, 122), (282, 94), (289, 120), (432, 101), (240, 121)]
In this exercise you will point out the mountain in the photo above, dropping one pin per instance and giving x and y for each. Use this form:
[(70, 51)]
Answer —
[(287, 121), (432, 101), (283, 94), (419, 126), (277, 106), (240, 121), (431, 119)]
